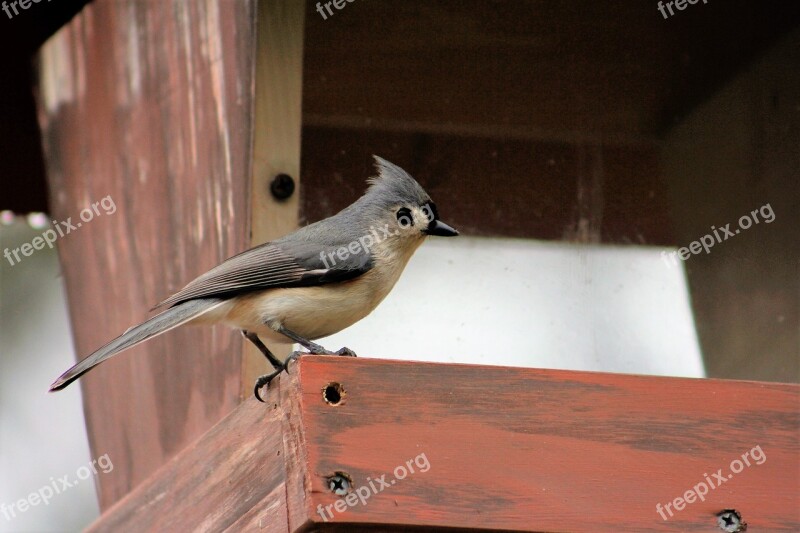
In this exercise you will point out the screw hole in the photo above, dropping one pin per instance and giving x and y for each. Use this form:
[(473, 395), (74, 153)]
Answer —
[(333, 394)]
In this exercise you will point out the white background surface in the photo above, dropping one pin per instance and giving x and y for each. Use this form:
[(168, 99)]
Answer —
[(533, 304), (42, 436)]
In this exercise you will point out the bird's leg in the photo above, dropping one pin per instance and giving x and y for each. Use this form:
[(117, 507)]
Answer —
[(267, 378), (276, 363), (313, 347), (252, 337)]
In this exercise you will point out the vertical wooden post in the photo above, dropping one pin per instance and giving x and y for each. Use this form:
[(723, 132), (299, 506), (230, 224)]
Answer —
[(151, 105), (276, 137)]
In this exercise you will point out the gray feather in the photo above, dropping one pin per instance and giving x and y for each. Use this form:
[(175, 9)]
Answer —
[(169, 319), (273, 265), (295, 260)]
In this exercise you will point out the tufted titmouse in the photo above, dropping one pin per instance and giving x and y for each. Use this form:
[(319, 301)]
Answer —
[(309, 284)]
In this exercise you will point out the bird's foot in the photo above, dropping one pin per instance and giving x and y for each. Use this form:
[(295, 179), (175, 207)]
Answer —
[(316, 349), (347, 352), (267, 378), (293, 357)]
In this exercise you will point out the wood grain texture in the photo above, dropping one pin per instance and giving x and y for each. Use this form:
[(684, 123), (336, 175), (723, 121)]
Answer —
[(546, 450), (506, 448), (149, 103), (231, 479), (586, 192), (276, 139), (534, 119), (531, 69)]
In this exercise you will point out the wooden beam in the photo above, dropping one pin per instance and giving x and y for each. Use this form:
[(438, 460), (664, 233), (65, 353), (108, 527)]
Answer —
[(545, 70), (276, 138), (491, 448), (586, 191), (242, 448)]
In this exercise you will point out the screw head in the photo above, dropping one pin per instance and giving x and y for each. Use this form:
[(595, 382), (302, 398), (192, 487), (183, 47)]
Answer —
[(282, 186), (730, 520), (339, 484)]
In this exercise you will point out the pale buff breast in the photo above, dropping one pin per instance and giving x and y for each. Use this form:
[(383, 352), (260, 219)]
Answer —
[(315, 312)]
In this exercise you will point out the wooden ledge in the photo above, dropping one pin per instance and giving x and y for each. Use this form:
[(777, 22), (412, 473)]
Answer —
[(480, 448)]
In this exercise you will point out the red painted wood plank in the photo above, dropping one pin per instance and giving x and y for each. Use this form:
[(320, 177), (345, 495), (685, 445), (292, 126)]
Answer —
[(491, 448), (547, 450), (232, 478)]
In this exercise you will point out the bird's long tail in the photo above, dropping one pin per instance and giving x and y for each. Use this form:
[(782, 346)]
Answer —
[(162, 322)]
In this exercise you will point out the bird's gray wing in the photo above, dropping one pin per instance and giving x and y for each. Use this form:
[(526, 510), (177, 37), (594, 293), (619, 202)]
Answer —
[(273, 265)]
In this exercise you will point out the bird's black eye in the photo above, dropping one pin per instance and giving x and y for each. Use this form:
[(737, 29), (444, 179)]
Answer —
[(404, 217)]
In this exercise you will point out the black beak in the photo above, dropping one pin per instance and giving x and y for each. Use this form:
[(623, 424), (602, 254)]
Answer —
[(440, 229)]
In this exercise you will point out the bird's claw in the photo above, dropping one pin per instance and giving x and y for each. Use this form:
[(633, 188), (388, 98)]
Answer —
[(316, 349), (293, 357), (265, 380), (347, 352)]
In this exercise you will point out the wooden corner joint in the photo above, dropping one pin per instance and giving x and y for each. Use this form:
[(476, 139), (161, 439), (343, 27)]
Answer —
[(367, 443)]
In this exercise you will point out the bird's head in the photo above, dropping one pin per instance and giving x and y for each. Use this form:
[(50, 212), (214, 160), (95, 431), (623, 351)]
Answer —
[(397, 203)]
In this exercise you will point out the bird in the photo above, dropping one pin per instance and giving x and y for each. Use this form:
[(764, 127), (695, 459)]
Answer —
[(309, 284)]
